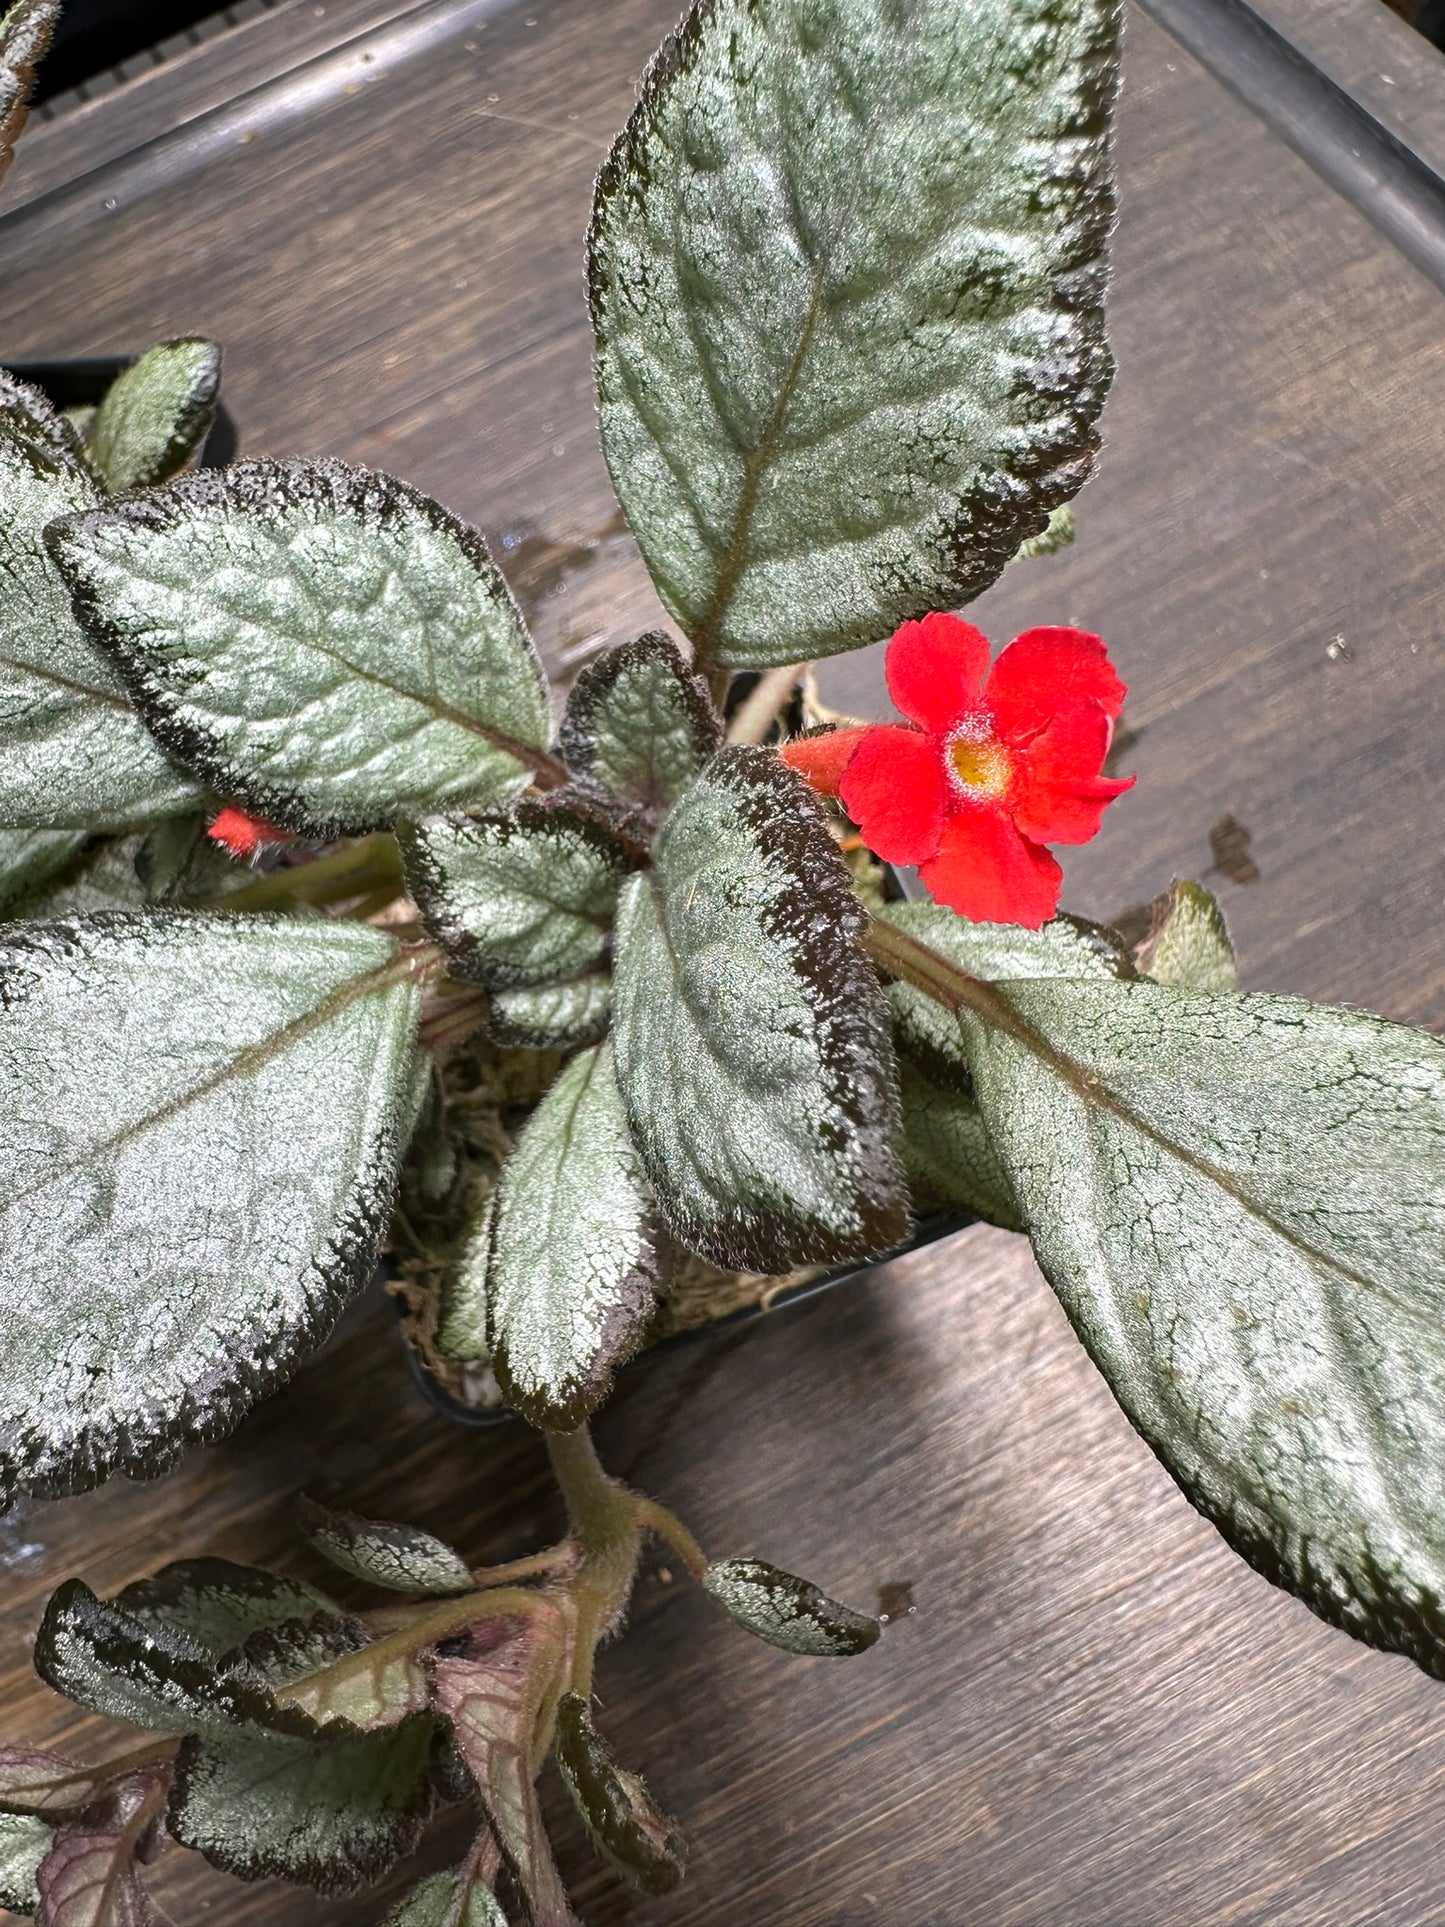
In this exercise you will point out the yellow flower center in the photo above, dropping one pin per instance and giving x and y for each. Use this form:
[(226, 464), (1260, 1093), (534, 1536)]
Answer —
[(979, 762)]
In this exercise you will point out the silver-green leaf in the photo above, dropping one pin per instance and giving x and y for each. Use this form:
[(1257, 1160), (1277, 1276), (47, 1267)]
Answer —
[(324, 644), (847, 276), (553, 1016), (400, 1557), (73, 753), (448, 1900), (219, 1604), (639, 723), (30, 859), (947, 1155), (1240, 1200), (1187, 943), (25, 30), (625, 1824), (517, 897), (753, 1051), (24, 1843), (200, 1126), (787, 1611), (575, 1263), (154, 418)]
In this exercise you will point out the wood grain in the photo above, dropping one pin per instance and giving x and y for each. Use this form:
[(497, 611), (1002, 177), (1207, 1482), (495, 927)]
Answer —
[(1096, 1714)]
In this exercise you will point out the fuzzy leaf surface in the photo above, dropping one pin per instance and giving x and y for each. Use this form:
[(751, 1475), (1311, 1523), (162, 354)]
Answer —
[(154, 418), (24, 1843), (625, 1824), (947, 1154), (91, 1876), (219, 1604), (399, 1556), (200, 1125), (553, 1016), (325, 645), (575, 1266), (376, 1685), (34, 1781), (752, 1039), (30, 858), (330, 1811), (25, 30), (1240, 1201), (847, 275), (73, 753), (449, 1900), (1187, 943), (639, 723), (517, 897), (787, 1611), (492, 1701)]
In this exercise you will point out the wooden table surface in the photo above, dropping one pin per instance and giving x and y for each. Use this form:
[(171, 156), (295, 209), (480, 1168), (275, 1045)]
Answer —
[(1095, 1714)]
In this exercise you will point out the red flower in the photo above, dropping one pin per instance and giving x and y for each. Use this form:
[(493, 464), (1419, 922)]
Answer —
[(992, 764), (243, 835)]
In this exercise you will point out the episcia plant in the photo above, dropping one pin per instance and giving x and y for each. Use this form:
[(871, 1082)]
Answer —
[(310, 905)]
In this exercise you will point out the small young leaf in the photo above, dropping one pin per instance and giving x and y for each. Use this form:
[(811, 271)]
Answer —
[(331, 1811), (575, 1267), (73, 753), (1241, 1202), (753, 1051), (24, 1843), (639, 723), (517, 897), (153, 1675), (1187, 943), (179, 1224), (29, 859), (401, 1557), (787, 1611), (462, 1318), (553, 1016), (449, 1900), (25, 30), (1058, 533), (928, 1034), (628, 1829), (90, 1877), (218, 1604), (167, 852), (948, 1157), (155, 416), (327, 646), (847, 276), (493, 1701)]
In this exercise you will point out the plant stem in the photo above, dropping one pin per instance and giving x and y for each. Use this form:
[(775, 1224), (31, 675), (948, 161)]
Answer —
[(603, 1515), (653, 1517), (372, 863)]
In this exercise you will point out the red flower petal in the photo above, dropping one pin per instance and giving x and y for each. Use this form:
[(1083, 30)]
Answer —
[(935, 669), (990, 873), (820, 760), (243, 835), (893, 789), (1043, 669), (1058, 795)]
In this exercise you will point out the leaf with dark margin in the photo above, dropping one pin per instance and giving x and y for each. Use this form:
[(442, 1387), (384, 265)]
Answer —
[(25, 30), (90, 1877), (24, 1843), (377, 1690), (29, 859), (73, 753), (947, 1155), (493, 1701), (154, 418), (517, 897), (752, 1039), (150, 1674), (179, 1225), (787, 1611), (54, 427), (639, 723), (32, 1781), (1241, 1202), (576, 1263), (462, 1898), (384, 1554), (847, 269), (1187, 943), (928, 1033), (623, 1821), (219, 1604), (553, 1016), (327, 646), (332, 1811)]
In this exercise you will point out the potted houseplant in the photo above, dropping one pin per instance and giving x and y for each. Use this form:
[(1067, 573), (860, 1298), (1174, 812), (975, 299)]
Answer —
[(313, 904)]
